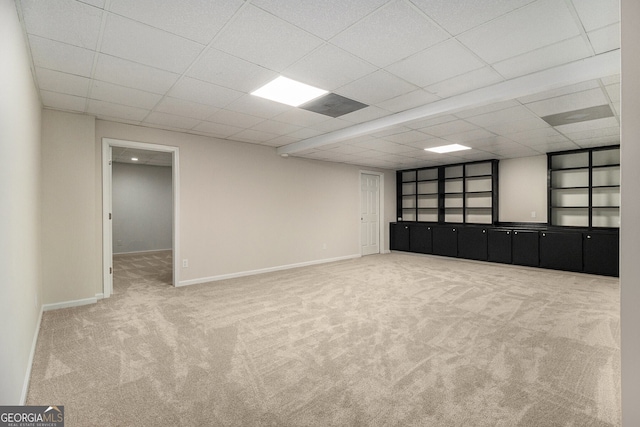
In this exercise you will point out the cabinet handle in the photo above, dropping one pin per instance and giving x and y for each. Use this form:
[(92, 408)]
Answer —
[(588, 237), (515, 232), (454, 229), (544, 234), (405, 227), (484, 231), (508, 232)]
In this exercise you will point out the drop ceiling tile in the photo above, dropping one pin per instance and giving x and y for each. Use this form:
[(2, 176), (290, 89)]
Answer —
[(469, 136), (597, 14), (594, 133), (475, 79), (96, 3), (223, 69), (496, 106), (565, 90), (384, 146), (108, 109), (235, 118), (408, 137), (131, 74), (329, 67), (391, 130), (449, 128), (61, 57), (417, 98), (460, 15), (138, 42), (390, 34), (440, 62), (300, 117), (55, 81), (197, 20), (574, 101), (275, 127), (517, 126), (180, 107), (62, 101), (204, 93), (536, 25), (264, 39), (387, 86), (256, 106), (122, 95), (529, 135), (533, 142), (365, 114), (589, 125), (501, 116), (324, 19), (546, 57), (605, 39), (66, 21), (306, 133), (514, 152), (171, 120), (330, 125), (493, 142), (217, 129)]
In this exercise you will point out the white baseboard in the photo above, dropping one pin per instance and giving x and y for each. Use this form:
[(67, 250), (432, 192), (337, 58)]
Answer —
[(67, 304), (27, 375), (100, 296), (264, 270)]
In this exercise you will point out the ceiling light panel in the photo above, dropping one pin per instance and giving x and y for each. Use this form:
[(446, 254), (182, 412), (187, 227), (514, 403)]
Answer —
[(448, 148), (289, 92)]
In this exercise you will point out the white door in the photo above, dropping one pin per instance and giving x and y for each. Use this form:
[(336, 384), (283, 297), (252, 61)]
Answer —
[(370, 213)]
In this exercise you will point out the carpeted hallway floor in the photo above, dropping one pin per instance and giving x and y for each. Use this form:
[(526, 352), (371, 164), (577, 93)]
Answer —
[(384, 340)]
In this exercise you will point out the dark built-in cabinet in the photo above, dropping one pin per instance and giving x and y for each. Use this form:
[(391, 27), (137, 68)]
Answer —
[(452, 210), (587, 251)]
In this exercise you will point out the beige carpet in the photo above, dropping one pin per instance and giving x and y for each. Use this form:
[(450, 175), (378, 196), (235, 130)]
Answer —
[(385, 340)]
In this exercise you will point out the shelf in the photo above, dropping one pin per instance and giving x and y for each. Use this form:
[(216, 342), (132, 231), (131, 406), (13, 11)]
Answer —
[(584, 188)]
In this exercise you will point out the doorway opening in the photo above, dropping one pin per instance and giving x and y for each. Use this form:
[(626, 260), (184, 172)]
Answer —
[(140, 213), (371, 226)]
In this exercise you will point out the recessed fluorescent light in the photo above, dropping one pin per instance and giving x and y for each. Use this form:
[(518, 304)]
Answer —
[(448, 148), (134, 159), (287, 91)]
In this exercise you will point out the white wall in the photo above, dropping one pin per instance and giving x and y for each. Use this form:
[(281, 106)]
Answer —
[(142, 206), (69, 238), (630, 214), (523, 189), (20, 274), (243, 208)]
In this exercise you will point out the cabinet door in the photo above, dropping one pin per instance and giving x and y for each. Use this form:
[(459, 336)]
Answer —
[(420, 239), (601, 254), (524, 245), (472, 243), (400, 237), (561, 250), (445, 241), (499, 246)]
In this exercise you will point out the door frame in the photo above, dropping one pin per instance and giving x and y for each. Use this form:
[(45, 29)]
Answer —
[(381, 233), (107, 197)]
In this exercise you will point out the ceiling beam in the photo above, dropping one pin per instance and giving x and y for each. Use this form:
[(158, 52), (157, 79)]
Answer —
[(605, 64)]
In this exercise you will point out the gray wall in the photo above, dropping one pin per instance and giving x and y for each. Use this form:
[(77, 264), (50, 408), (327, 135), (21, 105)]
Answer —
[(142, 208)]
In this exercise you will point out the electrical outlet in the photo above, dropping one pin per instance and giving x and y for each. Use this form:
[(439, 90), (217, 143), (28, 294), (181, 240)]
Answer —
[(533, 214), (185, 263)]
